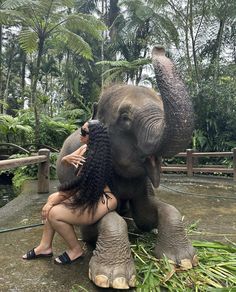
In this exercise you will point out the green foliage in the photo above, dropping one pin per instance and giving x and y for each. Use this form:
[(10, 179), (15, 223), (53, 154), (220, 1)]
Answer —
[(122, 70), (54, 24), (53, 132), (28, 40), (215, 106), (14, 129), (65, 60), (23, 173)]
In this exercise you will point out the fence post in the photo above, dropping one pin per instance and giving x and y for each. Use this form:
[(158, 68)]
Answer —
[(43, 172), (234, 163), (189, 162)]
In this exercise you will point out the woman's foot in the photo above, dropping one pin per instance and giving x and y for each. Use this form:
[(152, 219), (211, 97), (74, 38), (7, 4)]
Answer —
[(68, 258), (38, 252)]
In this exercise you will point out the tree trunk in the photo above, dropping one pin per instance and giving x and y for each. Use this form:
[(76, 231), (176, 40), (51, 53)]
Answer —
[(1, 81), (193, 40), (23, 66), (9, 67), (187, 43), (34, 91), (215, 59)]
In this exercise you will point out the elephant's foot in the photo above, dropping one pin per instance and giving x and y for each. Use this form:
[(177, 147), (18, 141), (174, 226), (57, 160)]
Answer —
[(112, 264), (172, 241), (181, 259), (115, 276)]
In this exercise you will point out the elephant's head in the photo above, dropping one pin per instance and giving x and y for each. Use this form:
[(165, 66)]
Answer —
[(143, 125)]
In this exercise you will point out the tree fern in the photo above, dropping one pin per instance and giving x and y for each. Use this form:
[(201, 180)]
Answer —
[(122, 69), (76, 43), (28, 40)]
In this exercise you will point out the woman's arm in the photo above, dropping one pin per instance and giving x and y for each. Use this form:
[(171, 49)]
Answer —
[(76, 158), (54, 199)]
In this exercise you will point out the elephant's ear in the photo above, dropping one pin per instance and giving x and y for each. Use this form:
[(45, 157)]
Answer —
[(95, 109)]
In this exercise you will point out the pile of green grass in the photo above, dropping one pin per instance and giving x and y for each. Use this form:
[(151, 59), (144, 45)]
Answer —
[(216, 270)]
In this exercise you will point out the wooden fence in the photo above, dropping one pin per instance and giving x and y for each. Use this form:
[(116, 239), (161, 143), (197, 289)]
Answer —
[(192, 165), (43, 161)]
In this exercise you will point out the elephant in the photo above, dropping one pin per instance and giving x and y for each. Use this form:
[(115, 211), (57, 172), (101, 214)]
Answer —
[(144, 126)]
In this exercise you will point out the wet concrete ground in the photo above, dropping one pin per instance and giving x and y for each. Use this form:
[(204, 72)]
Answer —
[(211, 203)]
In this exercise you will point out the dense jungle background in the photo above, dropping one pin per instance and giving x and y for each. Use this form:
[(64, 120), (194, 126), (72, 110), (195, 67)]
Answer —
[(57, 55)]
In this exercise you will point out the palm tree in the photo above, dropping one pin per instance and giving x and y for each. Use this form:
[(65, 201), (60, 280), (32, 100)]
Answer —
[(134, 30), (48, 21)]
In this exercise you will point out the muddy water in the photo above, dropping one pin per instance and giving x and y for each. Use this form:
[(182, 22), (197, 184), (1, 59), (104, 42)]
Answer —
[(208, 204), (212, 204)]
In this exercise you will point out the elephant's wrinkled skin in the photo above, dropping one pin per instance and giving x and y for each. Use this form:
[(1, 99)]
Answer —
[(143, 127)]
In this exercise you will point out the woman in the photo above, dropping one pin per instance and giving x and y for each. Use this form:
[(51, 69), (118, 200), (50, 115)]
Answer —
[(84, 200)]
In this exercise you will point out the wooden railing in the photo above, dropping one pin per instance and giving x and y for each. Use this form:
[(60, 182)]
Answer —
[(43, 161), (192, 166)]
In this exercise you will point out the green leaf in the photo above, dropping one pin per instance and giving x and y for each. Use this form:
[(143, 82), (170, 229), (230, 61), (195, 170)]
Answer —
[(10, 17), (79, 22), (28, 40), (14, 4), (76, 43)]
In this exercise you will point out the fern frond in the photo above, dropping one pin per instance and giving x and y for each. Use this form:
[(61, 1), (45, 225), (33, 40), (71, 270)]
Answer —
[(126, 64), (10, 17), (76, 43), (98, 24), (118, 74), (67, 3), (28, 40), (23, 128), (14, 4), (79, 22), (123, 63), (141, 62)]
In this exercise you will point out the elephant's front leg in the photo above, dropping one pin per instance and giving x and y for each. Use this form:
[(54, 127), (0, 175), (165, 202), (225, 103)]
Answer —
[(112, 264), (172, 241)]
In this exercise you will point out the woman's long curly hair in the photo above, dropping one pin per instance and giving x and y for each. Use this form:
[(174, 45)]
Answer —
[(96, 173)]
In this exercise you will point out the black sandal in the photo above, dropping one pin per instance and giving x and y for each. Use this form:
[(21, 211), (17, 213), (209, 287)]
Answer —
[(31, 255), (65, 259)]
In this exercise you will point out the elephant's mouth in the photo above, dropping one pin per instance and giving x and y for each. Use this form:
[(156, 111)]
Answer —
[(152, 166)]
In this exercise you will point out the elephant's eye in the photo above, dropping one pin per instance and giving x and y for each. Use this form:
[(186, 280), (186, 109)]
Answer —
[(125, 120), (125, 117)]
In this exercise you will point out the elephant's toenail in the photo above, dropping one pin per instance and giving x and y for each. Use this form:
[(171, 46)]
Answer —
[(195, 261), (120, 283), (185, 265), (90, 275), (132, 281), (101, 281)]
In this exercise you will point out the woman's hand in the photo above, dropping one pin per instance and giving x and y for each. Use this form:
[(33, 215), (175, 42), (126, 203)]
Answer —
[(45, 210), (74, 159)]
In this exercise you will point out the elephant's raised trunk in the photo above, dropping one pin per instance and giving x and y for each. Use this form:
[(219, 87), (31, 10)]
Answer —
[(177, 105)]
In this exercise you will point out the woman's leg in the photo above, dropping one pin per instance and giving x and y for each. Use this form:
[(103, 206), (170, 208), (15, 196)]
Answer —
[(67, 232), (45, 245), (63, 218)]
